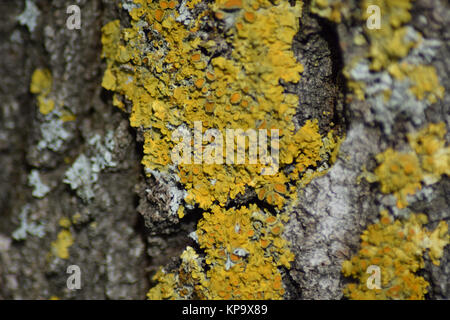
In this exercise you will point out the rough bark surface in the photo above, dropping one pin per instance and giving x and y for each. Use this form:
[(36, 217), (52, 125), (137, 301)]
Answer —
[(110, 248)]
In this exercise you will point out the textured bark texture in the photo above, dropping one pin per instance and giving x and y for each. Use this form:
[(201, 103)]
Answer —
[(119, 224)]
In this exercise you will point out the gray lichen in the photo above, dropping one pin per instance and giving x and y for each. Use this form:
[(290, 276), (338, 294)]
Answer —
[(29, 16), (185, 16), (27, 227), (83, 174), (40, 189), (130, 5), (170, 181), (401, 99), (53, 134), (103, 151), (81, 178)]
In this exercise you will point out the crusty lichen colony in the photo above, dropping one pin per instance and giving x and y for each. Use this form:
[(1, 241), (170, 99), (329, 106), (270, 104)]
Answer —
[(396, 247), (173, 74), (395, 74), (404, 173), (396, 77), (220, 63)]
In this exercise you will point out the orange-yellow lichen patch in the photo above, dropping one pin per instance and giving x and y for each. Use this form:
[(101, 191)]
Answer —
[(262, 57), (399, 173), (384, 245), (232, 4), (41, 85), (235, 98), (219, 15), (172, 4), (249, 16), (234, 241), (390, 42), (425, 82), (174, 80), (330, 9), (164, 4), (159, 14), (403, 173), (60, 247), (199, 83), (196, 57), (430, 144)]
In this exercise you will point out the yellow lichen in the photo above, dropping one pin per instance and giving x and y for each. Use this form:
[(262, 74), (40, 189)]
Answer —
[(399, 173), (390, 42), (60, 247), (243, 251), (65, 222), (397, 248), (76, 218), (240, 93), (330, 9), (173, 79), (41, 85), (425, 82), (402, 173), (67, 116), (430, 144)]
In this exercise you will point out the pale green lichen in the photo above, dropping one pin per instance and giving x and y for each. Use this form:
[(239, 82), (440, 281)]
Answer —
[(81, 178), (28, 226), (83, 175), (40, 189), (53, 134), (29, 16)]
